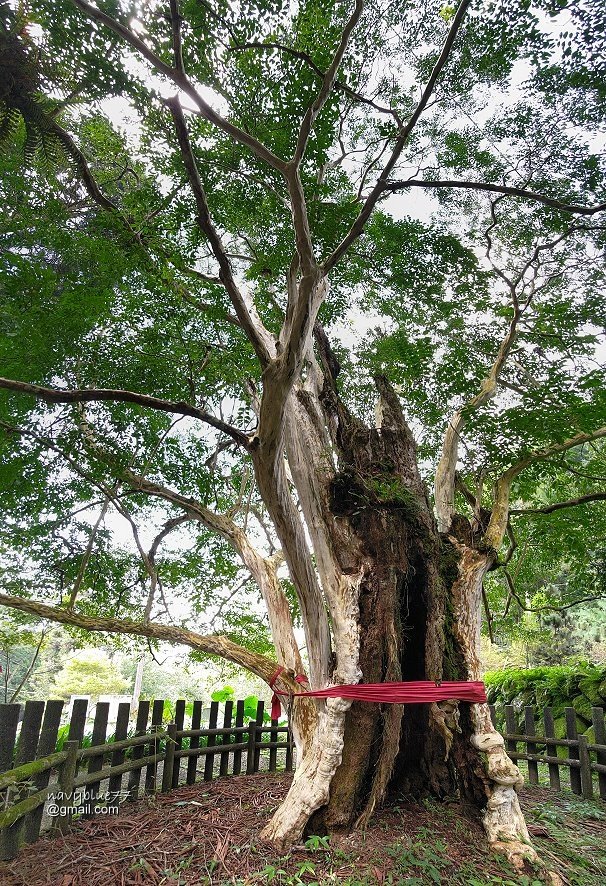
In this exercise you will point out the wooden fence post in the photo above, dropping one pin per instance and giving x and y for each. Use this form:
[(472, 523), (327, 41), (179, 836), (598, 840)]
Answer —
[(114, 788), (169, 758), (77, 723), (134, 779), (65, 797), (259, 737), (156, 726), (46, 746), (179, 723), (237, 767), (9, 721), (586, 779), (250, 750), (225, 739), (573, 751), (95, 763), (273, 752), (27, 746), (289, 750), (552, 750), (211, 740), (194, 742), (533, 766), (597, 716), (512, 727)]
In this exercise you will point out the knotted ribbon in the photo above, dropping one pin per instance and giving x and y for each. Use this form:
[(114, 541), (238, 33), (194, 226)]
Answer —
[(413, 692), (276, 707)]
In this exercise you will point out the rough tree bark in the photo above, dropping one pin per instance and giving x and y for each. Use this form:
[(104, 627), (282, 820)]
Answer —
[(404, 604)]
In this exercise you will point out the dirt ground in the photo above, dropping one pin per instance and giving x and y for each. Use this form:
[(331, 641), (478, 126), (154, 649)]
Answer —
[(207, 835)]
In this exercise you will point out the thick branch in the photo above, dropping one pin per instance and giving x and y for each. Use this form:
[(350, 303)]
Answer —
[(558, 506), (175, 17), (183, 82), (273, 486), (327, 84), (572, 208), (87, 395), (263, 570), (212, 645), (257, 334), (379, 189)]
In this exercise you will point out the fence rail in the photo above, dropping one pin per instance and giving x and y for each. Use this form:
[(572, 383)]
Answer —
[(32, 772), (585, 760)]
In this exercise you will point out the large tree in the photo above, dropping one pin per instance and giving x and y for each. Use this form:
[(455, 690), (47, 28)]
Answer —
[(183, 343)]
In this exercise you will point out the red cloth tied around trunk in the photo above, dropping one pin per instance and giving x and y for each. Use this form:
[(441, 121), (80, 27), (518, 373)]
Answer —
[(413, 692)]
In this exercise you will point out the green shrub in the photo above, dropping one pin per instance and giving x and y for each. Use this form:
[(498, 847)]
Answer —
[(581, 687)]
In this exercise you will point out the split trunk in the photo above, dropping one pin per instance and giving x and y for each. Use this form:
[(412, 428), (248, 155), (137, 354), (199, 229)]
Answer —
[(403, 603)]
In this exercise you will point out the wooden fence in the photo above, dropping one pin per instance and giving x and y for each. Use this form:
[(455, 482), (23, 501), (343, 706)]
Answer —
[(34, 776), (585, 760)]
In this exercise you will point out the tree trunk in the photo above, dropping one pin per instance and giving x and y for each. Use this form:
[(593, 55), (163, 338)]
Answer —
[(417, 596)]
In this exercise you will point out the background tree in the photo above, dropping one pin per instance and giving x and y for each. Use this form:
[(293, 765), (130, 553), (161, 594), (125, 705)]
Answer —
[(88, 672), (189, 286), (20, 648)]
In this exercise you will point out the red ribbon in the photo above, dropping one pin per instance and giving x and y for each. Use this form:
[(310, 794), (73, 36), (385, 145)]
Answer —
[(414, 692), (276, 707)]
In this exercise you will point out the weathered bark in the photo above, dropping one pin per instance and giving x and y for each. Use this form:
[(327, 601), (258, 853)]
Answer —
[(404, 603)]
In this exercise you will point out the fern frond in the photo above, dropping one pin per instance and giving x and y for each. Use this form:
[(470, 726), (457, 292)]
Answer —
[(9, 122)]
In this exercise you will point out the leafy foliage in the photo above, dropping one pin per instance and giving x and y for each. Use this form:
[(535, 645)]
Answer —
[(581, 688), (122, 291)]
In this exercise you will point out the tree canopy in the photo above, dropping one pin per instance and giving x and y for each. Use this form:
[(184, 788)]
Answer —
[(270, 270), (452, 179)]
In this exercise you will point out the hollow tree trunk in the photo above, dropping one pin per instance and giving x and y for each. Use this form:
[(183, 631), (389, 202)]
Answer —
[(415, 616)]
